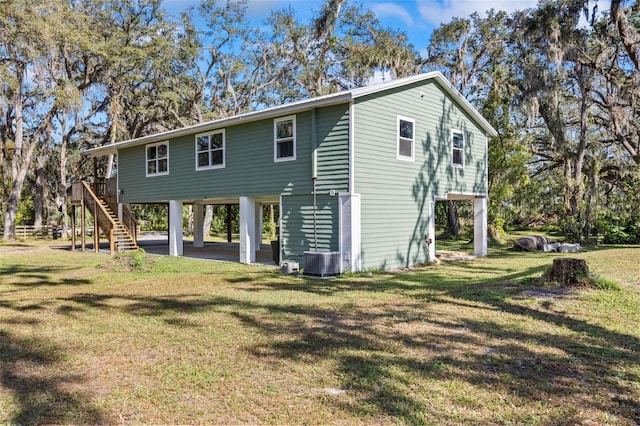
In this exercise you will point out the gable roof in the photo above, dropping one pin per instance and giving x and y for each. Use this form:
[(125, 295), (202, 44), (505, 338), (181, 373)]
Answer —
[(300, 106)]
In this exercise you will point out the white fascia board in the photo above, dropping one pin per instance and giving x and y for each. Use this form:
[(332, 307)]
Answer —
[(292, 108)]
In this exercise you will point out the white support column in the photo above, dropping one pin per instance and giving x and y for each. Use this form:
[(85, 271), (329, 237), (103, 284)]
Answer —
[(247, 230), (480, 226), (431, 232), (120, 212), (258, 226), (198, 223), (350, 232), (175, 228)]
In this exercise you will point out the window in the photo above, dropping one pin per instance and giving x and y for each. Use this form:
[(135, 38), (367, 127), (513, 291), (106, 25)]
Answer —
[(284, 139), (457, 148), (406, 140), (210, 150), (158, 159)]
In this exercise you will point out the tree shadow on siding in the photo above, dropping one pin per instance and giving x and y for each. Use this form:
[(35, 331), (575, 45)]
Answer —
[(435, 178)]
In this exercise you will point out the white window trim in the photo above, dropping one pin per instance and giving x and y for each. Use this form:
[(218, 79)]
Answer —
[(146, 159), (275, 139), (413, 141), (461, 133), (224, 150)]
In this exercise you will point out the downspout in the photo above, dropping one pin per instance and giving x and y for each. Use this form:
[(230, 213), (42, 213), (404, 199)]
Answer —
[(314, 176)]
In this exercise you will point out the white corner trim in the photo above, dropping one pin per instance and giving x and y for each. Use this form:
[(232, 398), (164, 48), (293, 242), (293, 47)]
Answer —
[(352, 147)]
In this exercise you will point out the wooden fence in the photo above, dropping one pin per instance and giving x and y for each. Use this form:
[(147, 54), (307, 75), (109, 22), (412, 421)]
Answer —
[(24, 231)]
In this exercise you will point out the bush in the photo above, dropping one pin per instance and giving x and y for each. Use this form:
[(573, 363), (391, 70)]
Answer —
[(606, 284), (129, 261), (624, 230)]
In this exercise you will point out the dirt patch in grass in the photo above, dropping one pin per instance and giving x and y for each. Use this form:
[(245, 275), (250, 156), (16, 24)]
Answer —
[(545, 293)]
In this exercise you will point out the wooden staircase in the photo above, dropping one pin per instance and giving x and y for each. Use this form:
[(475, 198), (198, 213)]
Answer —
[(122, 239), (122, 235)]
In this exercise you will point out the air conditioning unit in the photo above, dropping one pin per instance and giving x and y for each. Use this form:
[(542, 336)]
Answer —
[(322, 263)]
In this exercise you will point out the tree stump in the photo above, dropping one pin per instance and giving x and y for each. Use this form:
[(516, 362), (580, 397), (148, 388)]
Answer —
[(569, 272)]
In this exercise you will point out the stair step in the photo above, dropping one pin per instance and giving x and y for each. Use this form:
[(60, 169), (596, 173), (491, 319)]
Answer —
[(122, 238)]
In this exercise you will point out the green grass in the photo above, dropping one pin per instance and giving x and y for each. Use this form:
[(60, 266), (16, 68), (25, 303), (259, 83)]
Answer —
[(83, 340)]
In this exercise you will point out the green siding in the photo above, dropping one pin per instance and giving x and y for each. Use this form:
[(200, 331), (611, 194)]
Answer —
[(396, 194), (333, 149), (249, 166), (297, 231)]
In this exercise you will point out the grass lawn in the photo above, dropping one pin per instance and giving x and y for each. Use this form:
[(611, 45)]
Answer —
[(192, 341)]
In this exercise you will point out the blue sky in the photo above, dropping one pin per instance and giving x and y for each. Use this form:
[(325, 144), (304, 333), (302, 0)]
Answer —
[(417, 18)]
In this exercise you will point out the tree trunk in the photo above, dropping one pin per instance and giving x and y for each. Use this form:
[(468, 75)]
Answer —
[(272, 223), (19, 165), (576, 179), (453, 223), (208, 218), (190, 219), (38, 202), (592, 201), (62, 190)]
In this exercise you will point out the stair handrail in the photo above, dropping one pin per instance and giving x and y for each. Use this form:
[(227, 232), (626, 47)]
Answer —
[(97, 202), (130, 222), (127, 218)]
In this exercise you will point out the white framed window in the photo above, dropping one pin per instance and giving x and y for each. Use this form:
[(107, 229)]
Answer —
[(210, 149), (284, 138), (157, 159), (457, 149), (406, 139)]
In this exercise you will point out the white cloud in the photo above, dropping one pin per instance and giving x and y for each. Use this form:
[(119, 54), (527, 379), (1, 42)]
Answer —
[(392, 10), (379, 77), (442, 11)]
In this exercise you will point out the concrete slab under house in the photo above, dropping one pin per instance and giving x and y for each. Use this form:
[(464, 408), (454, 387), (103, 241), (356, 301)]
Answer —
[(356, 174)]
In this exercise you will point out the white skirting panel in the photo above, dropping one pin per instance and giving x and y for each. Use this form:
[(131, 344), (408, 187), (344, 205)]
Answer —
[(350, 232)]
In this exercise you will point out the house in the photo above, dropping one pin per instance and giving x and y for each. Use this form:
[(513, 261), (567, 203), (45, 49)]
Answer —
[(356, 173)]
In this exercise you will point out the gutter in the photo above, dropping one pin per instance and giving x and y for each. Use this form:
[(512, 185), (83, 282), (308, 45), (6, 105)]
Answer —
[(314, 174)]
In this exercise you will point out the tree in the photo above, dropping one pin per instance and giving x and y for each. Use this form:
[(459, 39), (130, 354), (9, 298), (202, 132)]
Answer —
[(30, 33), (555, 83), (471, 53), (341, 48)]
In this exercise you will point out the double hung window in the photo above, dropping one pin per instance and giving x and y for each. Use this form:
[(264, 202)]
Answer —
[(210, 150), (457, 149), (157, 156), (406, 139), (284, 139)]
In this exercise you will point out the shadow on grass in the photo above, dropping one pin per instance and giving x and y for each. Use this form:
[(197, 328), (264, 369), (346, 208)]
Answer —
[(41, 399), (375, 364), (385, 353), (28, 276)]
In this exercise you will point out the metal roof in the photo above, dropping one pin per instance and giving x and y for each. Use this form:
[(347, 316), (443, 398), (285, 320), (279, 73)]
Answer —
[(300, 106)]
